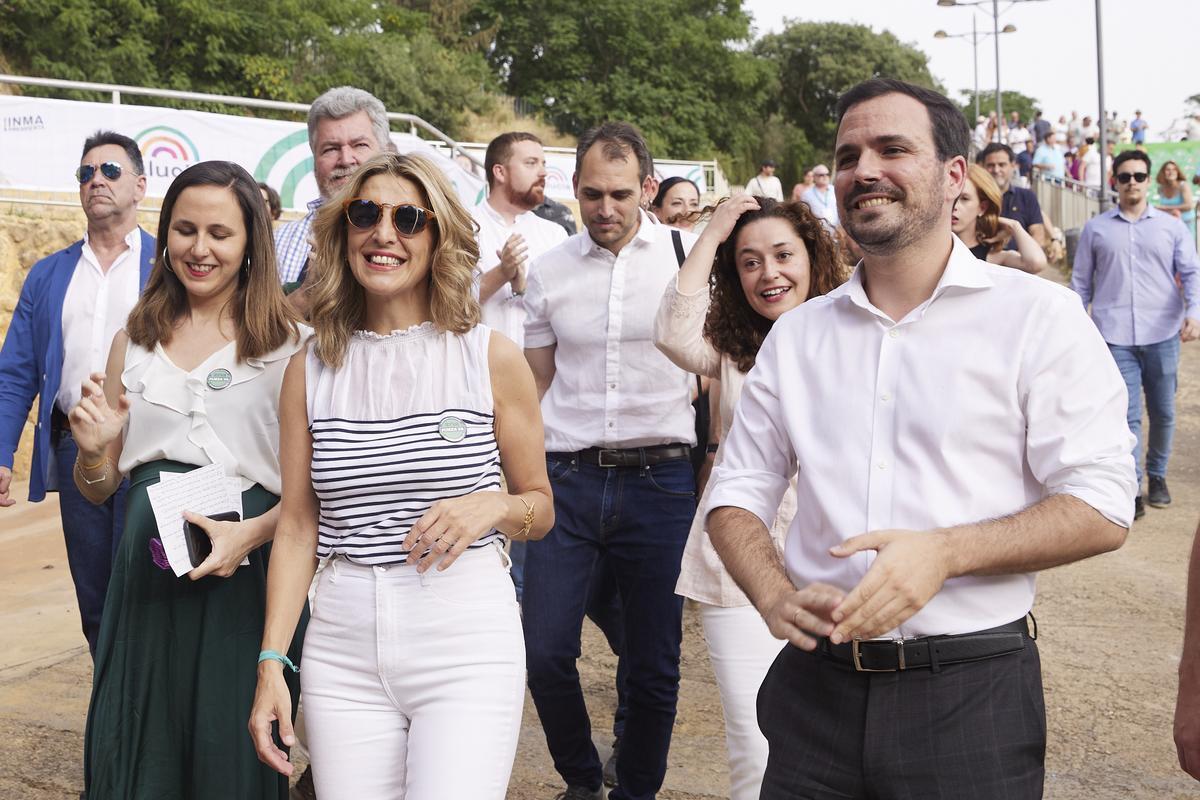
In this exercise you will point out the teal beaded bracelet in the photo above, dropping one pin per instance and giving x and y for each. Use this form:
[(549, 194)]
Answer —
[(271, 655)]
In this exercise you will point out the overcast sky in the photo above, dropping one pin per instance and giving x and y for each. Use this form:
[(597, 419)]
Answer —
[(1052, 55)]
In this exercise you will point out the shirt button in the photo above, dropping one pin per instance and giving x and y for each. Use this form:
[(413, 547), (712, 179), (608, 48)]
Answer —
[(895, 334), (885, 397), (611, 424), (882, 465), (612, 386)]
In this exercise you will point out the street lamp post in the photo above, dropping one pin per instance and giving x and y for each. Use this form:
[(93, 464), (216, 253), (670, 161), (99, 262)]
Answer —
[(974, 37), (995, 9)]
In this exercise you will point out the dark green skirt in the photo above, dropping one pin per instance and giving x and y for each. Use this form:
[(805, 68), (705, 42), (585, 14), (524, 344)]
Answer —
[(176, 670)]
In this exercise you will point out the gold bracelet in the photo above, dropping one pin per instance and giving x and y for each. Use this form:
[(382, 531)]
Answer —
[(84, 478), (79, 461), (527, 523)]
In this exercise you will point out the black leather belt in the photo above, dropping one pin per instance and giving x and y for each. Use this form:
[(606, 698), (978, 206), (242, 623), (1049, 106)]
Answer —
[(634, 456), (929, 652)]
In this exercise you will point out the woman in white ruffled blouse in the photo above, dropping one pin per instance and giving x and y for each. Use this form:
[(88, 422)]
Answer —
[(755, 260), (192, 380)]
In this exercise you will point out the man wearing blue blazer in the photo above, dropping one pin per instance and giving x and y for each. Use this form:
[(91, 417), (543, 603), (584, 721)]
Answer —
[(71, 305)]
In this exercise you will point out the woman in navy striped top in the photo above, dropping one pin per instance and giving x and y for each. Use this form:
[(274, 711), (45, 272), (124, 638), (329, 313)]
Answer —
[(395, 427)]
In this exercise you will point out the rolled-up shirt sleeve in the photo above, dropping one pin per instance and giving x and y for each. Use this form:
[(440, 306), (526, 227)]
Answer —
[(757, 458), (538, 330), (1187, 267), (1075, 403)]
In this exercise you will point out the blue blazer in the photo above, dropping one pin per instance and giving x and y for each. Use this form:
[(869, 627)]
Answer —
[(32, 357)]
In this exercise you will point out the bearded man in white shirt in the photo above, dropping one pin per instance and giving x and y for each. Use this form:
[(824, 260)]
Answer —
[(619, 427), (510, 237), (956, 427)]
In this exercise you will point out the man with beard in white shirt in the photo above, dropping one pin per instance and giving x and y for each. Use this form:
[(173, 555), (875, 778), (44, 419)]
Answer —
[(511, 236), (953, 427)]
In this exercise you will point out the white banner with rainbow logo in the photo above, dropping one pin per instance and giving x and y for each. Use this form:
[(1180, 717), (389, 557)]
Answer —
[(41, 142)]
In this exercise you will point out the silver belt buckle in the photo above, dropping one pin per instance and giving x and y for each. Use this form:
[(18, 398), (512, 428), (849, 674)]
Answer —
[(857, 658), (600, 458)]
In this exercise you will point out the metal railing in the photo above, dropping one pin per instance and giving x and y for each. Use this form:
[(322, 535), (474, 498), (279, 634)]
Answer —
[(414, 122), (1067, 202), (1070, 203)]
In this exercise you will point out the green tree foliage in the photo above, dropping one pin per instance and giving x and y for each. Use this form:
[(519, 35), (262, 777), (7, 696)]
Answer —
[(278, 49), (817, 61), (680, 69), (1010, 101)]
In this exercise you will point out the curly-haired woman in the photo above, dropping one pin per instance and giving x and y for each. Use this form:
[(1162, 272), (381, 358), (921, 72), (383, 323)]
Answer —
[(756, 260), (395, 424)]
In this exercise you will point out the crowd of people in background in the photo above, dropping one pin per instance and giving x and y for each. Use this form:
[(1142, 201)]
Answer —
[(458, 431)]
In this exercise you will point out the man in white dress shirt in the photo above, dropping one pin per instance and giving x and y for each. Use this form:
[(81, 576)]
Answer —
[(957, 426), (619, 427), (765, 184), (510, 237), (72, 304)]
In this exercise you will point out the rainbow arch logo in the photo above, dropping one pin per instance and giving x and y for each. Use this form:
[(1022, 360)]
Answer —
[(166, 143)]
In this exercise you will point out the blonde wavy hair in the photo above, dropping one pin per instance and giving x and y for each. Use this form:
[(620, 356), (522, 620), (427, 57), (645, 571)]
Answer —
[(338, 301)]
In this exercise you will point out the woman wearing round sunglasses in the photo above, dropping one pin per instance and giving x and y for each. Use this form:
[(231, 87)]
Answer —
[(756, 260), (193, 380), (395, 424)]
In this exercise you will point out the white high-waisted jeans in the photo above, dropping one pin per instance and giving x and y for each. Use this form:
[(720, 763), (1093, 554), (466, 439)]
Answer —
[(741, 650), (413, 685)]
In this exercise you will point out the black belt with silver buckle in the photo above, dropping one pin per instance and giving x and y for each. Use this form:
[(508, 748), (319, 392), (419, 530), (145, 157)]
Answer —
[(634, 456), (928, 652)]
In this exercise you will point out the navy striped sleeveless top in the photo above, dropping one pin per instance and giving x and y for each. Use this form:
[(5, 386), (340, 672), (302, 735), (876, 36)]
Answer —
[(407, 420)]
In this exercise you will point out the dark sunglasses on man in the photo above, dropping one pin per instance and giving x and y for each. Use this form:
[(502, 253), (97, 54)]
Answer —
[(409, 219), (1136, 177), (109, 169)]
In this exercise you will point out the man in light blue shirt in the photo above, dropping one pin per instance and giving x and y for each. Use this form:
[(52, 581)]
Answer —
[(1125, 267), (1048, 159)]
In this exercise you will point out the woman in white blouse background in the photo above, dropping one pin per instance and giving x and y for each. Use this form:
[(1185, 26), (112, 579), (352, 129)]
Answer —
[(756, 260), (394, 424), (193, 380)]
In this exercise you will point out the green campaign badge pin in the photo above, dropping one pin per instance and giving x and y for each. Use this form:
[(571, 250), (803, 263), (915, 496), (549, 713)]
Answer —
[(219, 378), (452, 429)]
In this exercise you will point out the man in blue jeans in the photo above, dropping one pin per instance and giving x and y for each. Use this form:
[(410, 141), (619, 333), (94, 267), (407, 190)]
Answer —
[(71, 305), (1126, 268), (619, 427)]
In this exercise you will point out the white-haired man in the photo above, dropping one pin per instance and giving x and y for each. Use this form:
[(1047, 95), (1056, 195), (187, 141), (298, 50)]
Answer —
[(346, 126)]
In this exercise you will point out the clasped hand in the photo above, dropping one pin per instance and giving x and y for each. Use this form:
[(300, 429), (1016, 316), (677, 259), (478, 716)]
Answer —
[(449, 527), (909, 569), (512, 258)]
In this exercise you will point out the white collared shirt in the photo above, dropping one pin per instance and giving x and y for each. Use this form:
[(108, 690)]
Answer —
[(612, 387), (988, 397), (94, 309), (504, 311)]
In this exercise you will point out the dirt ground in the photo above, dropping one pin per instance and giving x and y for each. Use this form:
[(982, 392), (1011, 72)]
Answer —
[(1110, 634)]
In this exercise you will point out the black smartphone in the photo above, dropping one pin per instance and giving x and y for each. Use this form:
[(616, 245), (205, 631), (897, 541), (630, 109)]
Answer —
[(198, 543)]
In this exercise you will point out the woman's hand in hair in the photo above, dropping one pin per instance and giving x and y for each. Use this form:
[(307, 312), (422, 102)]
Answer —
[(726, 216)]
